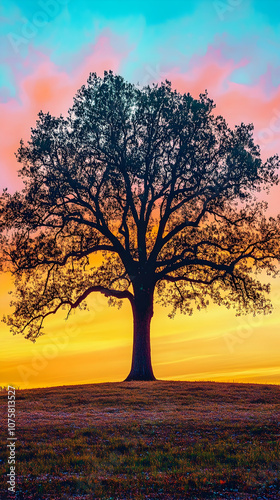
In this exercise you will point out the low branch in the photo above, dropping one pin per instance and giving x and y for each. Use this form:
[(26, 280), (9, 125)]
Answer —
[(118, 294)]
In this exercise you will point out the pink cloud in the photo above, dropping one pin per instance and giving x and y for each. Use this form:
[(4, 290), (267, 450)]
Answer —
[(44, 86), (236, 102)]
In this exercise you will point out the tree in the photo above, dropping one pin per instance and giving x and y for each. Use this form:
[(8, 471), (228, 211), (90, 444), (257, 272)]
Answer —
[(139, 194)]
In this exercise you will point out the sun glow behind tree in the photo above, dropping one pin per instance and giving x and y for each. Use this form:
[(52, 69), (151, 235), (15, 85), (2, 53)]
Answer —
[(158, 186)]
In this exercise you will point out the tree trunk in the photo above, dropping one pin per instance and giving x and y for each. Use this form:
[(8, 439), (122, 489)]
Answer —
[(141, 368)]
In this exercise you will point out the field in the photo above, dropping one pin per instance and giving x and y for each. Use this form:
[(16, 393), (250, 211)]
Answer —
[(149, 440)]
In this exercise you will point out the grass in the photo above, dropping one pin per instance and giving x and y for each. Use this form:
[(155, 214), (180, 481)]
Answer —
[(150, 440)]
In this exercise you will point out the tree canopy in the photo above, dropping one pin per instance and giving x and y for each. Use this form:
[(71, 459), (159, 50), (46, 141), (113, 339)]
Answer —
[(139, 194)]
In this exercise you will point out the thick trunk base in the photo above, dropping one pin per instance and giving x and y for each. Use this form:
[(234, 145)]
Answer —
[(138, 376), (141, 367)]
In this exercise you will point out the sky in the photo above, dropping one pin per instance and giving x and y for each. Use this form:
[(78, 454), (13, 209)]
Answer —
[(231, 48)]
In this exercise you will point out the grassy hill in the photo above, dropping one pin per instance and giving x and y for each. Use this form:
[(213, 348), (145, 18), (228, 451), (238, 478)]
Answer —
[(149, 440)]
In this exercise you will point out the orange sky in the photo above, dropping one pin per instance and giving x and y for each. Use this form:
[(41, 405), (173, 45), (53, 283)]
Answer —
[(96, 346)]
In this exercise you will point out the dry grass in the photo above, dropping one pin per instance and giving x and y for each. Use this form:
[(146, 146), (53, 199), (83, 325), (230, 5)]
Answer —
[(148, 440)]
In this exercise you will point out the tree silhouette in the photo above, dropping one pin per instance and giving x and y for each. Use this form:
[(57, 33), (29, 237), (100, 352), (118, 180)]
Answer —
[(139, 194)]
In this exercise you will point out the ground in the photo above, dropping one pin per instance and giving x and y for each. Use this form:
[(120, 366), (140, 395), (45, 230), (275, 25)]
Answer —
[(145, 440)]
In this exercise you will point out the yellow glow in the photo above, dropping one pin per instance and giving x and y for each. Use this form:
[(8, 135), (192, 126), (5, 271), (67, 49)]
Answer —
[(96, 346)]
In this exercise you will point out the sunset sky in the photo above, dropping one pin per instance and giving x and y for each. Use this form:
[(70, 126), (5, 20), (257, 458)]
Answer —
[(232, 49)]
